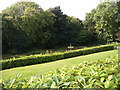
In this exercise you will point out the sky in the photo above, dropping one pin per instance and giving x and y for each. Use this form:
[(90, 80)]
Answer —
[(76, 8)]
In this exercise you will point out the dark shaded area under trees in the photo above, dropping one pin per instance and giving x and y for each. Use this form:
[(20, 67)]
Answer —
[(25, 25)]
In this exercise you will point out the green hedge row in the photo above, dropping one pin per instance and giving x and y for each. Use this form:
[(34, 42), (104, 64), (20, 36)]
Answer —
[(39, 58)]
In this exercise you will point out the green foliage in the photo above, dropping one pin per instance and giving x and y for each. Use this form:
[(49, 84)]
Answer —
[(66, 29), (89, 22), (92, 74), (87, 37), (104, 21), (26, 24), (73, 28), (105, 18), (38, 68), (39, 58)]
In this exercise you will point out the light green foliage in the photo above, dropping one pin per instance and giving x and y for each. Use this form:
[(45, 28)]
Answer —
[(21, 15), (106, 20), (92, 74)]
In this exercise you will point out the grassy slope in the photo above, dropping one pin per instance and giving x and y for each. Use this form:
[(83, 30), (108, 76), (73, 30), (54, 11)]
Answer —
[(29, 71)]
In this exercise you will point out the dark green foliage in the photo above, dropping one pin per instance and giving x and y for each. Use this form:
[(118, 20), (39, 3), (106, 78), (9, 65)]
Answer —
[(39, 58), (26, 25), (66, 28), (89, 22), (87, 37)]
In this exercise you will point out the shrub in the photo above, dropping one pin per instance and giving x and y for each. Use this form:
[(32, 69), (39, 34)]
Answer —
[(39, 58), (92, 74)]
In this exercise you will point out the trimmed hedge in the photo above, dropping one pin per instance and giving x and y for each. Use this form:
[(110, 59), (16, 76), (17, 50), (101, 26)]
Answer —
[(39, 58)]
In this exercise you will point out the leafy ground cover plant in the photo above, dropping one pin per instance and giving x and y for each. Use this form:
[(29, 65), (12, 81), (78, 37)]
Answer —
[(91, 74)]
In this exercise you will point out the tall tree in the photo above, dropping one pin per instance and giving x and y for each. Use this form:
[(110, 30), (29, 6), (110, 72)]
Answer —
[(29, 21), (59, 26), (105, 19), (66, 28), (89, 22), (74, 26)]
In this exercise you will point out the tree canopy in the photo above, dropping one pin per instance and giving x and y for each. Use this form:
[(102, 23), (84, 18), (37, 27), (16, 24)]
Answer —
[(25, 25), (104, 20)]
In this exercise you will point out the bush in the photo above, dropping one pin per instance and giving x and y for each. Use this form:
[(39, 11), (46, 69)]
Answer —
[(92, 74), (39, 58)]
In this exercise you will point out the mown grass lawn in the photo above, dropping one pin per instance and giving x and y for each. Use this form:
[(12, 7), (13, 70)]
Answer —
[(28, 71)]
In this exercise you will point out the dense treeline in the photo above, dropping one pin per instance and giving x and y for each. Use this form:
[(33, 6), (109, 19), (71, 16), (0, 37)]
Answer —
[(25, 25)]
